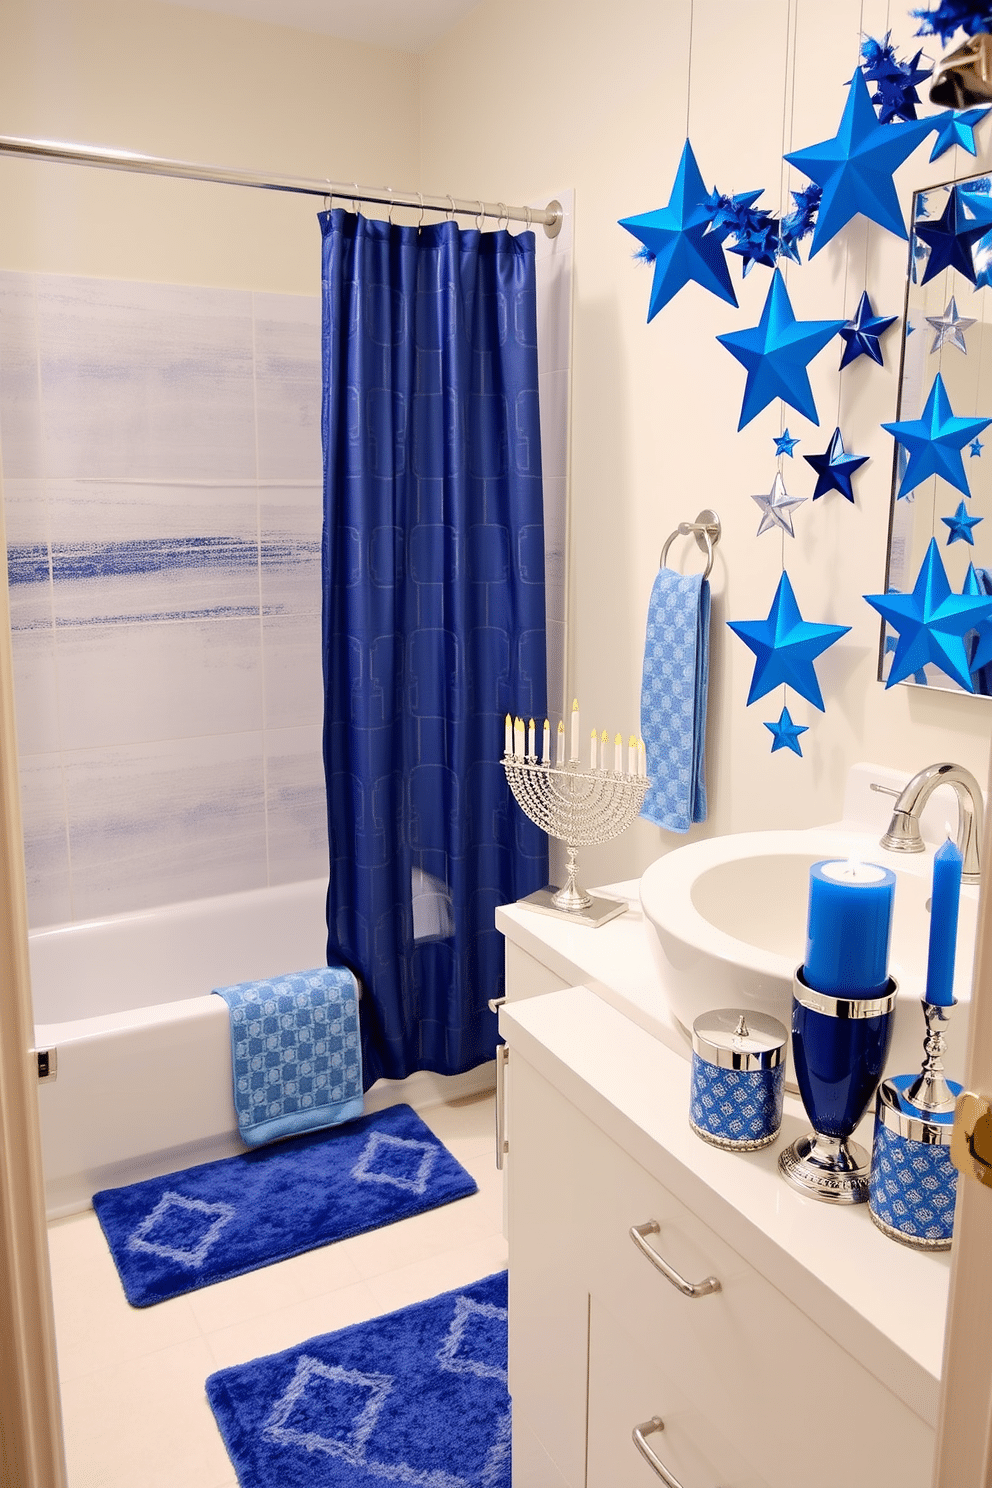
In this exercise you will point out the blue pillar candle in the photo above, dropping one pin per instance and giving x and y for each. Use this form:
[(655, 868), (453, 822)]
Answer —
[(849, 928), (943, 924)]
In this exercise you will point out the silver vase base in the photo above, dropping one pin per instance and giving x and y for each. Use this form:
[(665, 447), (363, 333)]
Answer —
[(834, 1170), (916, 1242), (595, 912)]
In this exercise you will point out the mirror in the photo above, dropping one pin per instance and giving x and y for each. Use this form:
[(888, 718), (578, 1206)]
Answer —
[(947, 331)]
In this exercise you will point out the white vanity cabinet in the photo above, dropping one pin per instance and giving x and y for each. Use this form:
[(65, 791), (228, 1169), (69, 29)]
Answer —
[(814, 1364)]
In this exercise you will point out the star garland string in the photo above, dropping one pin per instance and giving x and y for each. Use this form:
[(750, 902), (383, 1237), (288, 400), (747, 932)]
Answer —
[(896, 82), (950, 14)]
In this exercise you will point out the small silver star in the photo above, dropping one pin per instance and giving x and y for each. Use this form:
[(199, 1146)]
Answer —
[(776, 507), (949, 327)]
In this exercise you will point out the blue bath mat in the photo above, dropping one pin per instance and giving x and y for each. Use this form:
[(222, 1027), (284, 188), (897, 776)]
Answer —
[(187, 1230), (418, 1396)]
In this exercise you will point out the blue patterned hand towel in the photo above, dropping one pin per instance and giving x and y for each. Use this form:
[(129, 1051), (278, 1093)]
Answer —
[(673, 699), (297, 1052)]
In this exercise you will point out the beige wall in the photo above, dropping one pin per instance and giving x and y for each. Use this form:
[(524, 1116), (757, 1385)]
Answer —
[(166, 80), (593, 96)]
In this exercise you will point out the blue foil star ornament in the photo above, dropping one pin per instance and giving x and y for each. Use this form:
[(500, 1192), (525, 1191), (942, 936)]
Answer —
[(785, 444), (949, 327), (775, 353), (785, 733), (957, 127), (959, 526), (932, 623), (966, 218), (975, 449), (777, 507), (835, 468), (785, 647), (935, 440), (678, 238), (855, 168), (982, 653), (862, 334)]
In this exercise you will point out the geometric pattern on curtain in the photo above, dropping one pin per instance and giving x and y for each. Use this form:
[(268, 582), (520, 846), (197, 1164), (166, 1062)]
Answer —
[(433, 622)]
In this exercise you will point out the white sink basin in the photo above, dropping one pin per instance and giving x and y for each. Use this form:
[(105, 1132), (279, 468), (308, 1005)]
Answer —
[(729, 922)]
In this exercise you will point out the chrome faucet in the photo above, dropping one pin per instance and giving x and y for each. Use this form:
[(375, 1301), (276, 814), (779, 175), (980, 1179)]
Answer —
[(904, 828)]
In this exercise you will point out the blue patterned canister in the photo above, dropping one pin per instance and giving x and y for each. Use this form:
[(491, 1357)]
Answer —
[(913, 1185), (738, 1072)]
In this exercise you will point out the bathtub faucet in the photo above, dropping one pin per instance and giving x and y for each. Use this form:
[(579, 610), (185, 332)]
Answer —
[(904, 828)]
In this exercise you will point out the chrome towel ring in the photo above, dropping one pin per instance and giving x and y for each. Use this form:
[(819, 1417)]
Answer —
[(705, 529)]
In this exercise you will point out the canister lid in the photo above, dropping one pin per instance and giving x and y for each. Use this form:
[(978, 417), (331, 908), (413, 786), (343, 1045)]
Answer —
[(736, 1039), (895, 1111)]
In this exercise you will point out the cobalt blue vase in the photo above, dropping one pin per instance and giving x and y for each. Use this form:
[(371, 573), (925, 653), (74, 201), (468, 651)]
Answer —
[(839, 1049)]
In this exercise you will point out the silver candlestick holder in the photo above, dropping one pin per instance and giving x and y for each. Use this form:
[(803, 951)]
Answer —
[(580, 808)]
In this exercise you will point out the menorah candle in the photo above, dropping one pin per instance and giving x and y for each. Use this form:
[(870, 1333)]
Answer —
[(531, 741), (508, 735), (849, 927), (603, 745), (944, 903), (618, 755), (592, 750), (632, 756), (642, 759), (560, 757), (518, 739), (546, 750), (573, 752)]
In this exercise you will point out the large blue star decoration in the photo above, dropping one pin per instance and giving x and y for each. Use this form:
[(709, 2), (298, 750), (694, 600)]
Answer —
[(862, 334), (835, 468), (979, 645), (678, 238), (932, 623), (957, 127), (785, 733), (959, 526), (855, 168), (785, 647), (895, 94), (935, 440), (776, 352), (966, 218)]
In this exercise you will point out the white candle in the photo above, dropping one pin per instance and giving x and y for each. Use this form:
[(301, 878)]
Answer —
[(618, 755), (592, 750), (642, 759), (603, 744), (508, 735), (531, 741), (632, 756), (518, 739), (560, 757), (546, 751), (573, 752)]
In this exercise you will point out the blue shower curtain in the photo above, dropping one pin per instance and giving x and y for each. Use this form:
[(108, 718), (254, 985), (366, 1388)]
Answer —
[(433, 622)]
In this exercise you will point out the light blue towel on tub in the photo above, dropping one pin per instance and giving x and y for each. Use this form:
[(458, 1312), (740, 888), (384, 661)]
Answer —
[(673, 699), (297, 1052)]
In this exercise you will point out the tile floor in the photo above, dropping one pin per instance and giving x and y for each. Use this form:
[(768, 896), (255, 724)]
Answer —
[(133, 1405)]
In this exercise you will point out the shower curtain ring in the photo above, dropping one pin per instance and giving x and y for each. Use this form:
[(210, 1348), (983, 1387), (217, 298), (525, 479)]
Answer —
[(329, 202), (503, 220), (356, 200), (389, 214), (450, 213), (480, 220), (421, 222), (530, 218)]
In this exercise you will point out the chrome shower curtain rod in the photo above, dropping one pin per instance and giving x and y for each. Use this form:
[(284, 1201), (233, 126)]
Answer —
[(549, 217)]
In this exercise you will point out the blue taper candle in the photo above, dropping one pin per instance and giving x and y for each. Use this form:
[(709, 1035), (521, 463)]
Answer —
[(943, 924), (849, 927)]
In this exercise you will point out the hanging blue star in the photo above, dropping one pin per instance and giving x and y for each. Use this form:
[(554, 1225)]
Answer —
[(834, 468), (950, 327), (759, 243), (896, 95), (862, 334), (932, 623), (726, 213), (776, 352), (785, 444), (959, 526), (975, 449), (966, 218), (957, 127), (777, 507), (981, 655), (855, 167), (935, 440), (785, 646), (677, 236), (785, 733)]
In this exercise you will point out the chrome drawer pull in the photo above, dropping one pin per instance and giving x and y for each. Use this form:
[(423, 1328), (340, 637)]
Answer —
[(502, 1145), (638, 1434), (687, 1288)]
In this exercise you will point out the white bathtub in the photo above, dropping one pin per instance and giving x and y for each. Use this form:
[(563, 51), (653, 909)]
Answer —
[(142, 1050)]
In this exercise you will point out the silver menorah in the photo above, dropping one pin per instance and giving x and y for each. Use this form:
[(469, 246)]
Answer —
[(580, 808)]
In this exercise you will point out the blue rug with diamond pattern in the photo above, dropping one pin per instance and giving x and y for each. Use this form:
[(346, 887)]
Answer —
[(187, 1230), (416, 1397)]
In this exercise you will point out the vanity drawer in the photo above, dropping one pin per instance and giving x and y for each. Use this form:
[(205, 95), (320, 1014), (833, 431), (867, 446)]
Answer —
[(755, 1364)]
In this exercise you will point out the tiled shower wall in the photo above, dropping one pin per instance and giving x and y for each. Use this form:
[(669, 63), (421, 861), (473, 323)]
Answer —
[(162, 498)]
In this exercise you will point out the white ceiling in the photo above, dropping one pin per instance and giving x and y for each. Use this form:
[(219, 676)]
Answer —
[(406, 25)]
